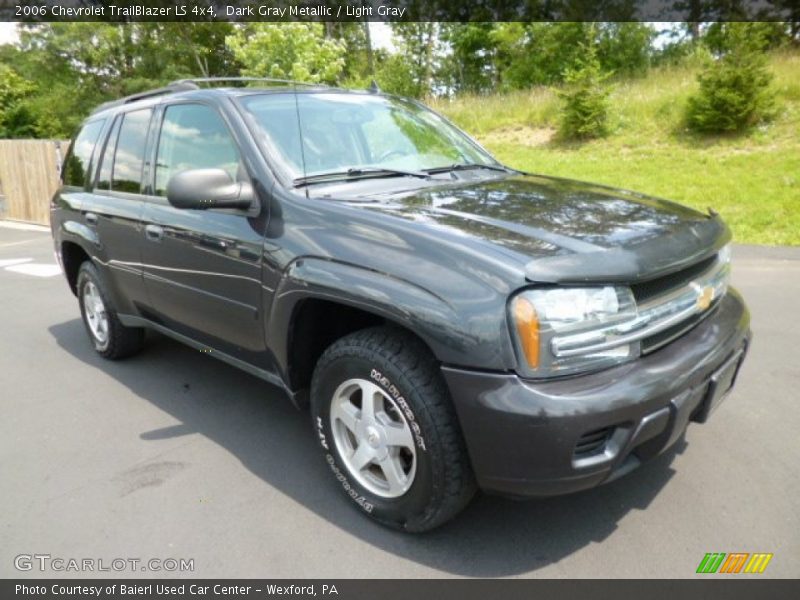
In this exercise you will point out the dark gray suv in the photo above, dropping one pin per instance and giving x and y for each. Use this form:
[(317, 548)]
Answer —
[(453, 324)]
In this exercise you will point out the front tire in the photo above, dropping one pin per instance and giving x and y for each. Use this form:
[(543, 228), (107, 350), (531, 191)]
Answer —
[(110, 338), (388, 429)]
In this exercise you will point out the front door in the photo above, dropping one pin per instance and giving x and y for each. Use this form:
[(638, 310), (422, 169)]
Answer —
[(202, 268)]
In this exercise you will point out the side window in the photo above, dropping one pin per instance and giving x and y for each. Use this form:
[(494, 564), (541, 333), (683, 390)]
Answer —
[(194, 136), (107, 162), (80, 154), (126, 174)]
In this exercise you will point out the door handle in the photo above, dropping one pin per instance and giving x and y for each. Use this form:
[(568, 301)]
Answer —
[(154, 233), (91, 218)]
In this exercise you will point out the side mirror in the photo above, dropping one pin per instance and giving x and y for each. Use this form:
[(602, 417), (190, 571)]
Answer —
[(208, 188)]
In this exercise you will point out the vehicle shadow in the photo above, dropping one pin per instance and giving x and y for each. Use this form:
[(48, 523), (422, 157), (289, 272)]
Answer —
[(254, 421)]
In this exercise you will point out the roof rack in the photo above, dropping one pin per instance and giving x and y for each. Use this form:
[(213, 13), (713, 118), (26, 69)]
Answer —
[(185, 85), (175, 86), (199, 80)]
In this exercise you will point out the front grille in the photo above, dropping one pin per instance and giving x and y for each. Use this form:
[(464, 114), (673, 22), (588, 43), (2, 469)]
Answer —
[(656, 287), (593, 442), (662, 338)]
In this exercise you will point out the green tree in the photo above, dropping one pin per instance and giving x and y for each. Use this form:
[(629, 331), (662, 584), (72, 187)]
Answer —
[(395, 75), (16, 119), (76, 66), (529, 54), (297, 51), (585, 97), (720, 38), (734, 92), (418, 45), (470, 65), (359, 64), (625, 48)]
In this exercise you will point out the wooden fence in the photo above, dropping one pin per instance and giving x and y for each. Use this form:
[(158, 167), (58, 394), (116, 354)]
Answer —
[(29, 176)]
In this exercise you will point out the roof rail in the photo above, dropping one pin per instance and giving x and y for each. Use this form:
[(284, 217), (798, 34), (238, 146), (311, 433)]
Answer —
[(199, 80), (175, 86)]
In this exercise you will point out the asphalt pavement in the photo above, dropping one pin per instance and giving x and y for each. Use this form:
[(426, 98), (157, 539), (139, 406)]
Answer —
[(172, 454)]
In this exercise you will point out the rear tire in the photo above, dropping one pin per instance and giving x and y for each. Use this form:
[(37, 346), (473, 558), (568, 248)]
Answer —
[(388, 429), (110, 338)]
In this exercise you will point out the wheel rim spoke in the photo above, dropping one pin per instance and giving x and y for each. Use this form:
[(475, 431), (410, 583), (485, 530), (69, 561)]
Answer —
[(393, 472), (348, 414), (371, 401), (398, 435), (95, 312)]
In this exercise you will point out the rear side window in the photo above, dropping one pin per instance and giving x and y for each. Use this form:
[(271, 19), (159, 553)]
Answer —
[(129, 155), (80, 154), (194, 136)]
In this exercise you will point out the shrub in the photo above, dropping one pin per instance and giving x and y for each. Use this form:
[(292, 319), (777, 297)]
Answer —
[(734, 92), (584, 112)]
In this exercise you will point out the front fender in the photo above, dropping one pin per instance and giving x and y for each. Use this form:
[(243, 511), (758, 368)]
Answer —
[(457, 334)]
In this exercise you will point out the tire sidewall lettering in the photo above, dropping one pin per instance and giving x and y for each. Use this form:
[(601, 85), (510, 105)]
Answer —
[(400, 400), (352, 492)]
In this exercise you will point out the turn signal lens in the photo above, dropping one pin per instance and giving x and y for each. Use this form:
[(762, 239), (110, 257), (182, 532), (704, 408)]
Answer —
[(528, 329)]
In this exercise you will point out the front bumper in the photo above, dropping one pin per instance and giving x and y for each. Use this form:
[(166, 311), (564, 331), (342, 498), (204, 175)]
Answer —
[(522, 435)]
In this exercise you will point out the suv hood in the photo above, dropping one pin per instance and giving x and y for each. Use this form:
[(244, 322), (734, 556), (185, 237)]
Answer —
[(564, 231)]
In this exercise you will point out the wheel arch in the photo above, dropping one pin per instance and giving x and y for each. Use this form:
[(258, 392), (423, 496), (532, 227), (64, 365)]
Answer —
[(73, 255), (313, 307)]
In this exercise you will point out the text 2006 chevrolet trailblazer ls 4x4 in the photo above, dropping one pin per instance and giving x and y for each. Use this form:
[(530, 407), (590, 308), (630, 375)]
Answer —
[(453, 324)]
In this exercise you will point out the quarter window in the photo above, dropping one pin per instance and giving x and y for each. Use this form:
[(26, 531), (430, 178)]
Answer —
[(107, 162), (194, 136), (129, 156)]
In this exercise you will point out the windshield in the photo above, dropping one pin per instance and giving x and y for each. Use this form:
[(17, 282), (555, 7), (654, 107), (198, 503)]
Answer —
[(353, 132)]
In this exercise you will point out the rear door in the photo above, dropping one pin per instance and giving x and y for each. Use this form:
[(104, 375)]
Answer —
[(202, 268), (115, 205)]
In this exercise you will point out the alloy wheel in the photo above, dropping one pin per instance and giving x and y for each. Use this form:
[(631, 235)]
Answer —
[(373, 438)]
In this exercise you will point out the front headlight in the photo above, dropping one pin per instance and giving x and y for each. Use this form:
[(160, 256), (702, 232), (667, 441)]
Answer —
[(543, 317)]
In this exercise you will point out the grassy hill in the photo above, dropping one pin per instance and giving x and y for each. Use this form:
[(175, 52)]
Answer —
[(752, 180)]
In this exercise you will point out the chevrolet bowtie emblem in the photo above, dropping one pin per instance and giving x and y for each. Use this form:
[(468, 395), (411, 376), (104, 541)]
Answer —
[(705, 298)]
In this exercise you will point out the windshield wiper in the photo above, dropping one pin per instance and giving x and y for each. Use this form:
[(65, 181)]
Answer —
[(357, 173), (465, 167)]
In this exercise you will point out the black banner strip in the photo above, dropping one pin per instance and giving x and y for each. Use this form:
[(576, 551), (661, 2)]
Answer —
[(729, 587), (122, 11)]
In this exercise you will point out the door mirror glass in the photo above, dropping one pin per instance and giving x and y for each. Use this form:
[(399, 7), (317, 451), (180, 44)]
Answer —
[(208, 188)]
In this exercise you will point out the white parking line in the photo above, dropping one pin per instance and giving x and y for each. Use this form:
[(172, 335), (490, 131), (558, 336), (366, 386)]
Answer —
[(35, 269), (13, 261), (7, 244)]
